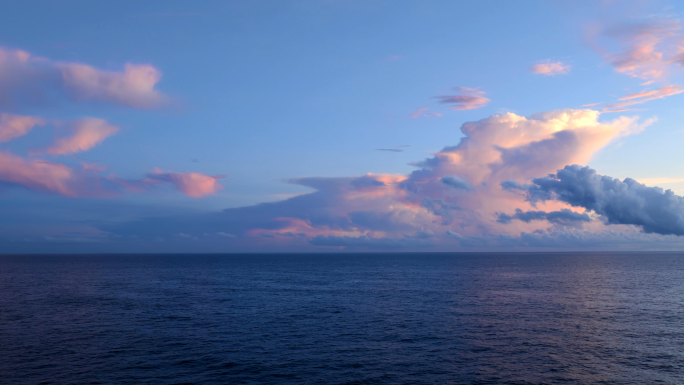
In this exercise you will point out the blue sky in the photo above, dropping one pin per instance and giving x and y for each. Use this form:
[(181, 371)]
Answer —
[(271, 92)]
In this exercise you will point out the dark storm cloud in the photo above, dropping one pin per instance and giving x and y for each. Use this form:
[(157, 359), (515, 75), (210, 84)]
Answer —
[(625, 202)]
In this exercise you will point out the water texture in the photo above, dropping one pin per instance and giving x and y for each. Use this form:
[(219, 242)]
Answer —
[(534, 318)]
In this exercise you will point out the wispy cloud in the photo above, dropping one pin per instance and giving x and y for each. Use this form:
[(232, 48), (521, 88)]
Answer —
[(643, 96), (648, 51), (422, 112), (466, 99), (192, 184), (550, 68), (14, 126), (86, 133)]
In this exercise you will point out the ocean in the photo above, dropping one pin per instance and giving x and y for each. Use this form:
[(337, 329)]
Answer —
[(432, 318)]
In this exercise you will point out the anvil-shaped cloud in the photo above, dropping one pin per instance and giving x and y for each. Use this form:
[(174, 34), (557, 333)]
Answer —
[(452, 197)]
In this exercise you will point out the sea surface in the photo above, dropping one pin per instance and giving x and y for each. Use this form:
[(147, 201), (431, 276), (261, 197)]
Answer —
[(480, 318)]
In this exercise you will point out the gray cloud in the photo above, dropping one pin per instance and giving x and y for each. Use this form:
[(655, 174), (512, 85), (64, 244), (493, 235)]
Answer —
[(378, 220), (440, 208), (562, 217), (366, 181), (457, 183), (510, 185), (625, 202)]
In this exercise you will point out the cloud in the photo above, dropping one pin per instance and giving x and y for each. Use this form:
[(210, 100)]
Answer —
[(564, 216), (620, 202), (48, 177), (549, 68), (457, 183), (421, 112), (132, 88), (646, 48), (644, 96), (14, 126), (467, 99), (648, 51), (511, 185), (192, 184), (86, 134), (370, 243), (54, 178), (512, 147), (440, 208), (28, 80), (506, 148)]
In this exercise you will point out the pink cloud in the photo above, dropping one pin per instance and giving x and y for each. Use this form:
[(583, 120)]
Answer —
[(30, 80), (14, 126), (132, 88), (648, 49), (458, 189), (642, 97), (48, 177), (468, 99), (549, 68), (193, 184), (87, 133), (421, 112), (92, 167), (54, 178)]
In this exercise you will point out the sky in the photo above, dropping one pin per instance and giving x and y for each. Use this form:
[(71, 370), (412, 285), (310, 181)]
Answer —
[(341, 126)]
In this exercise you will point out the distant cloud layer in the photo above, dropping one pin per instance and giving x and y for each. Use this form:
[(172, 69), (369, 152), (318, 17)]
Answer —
[(549, 68)]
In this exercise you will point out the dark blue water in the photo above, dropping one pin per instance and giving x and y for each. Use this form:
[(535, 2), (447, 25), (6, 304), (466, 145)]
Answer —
[(338, 319)]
